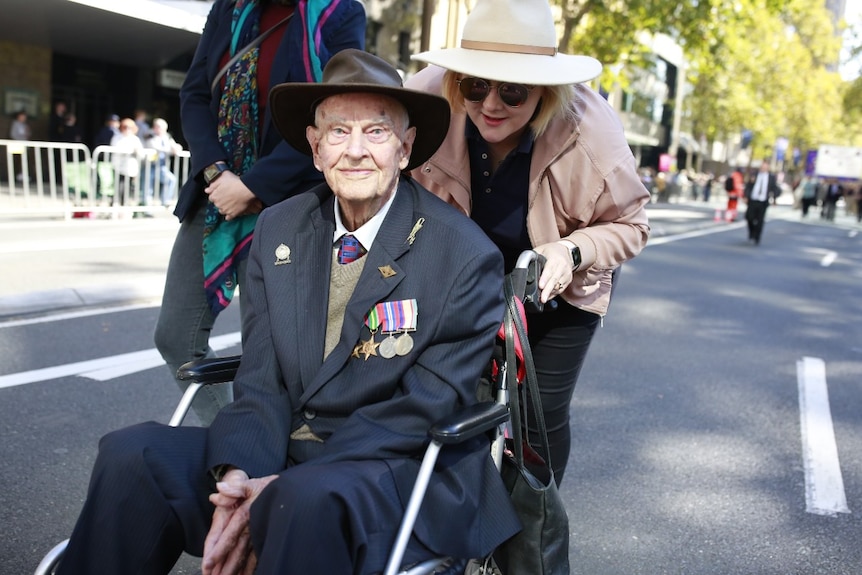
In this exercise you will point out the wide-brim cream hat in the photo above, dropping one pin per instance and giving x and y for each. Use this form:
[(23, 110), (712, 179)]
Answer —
[(513, 41), (350, 71)]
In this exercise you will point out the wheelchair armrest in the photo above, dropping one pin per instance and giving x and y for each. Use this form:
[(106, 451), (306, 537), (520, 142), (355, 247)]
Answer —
[(210, 370), (469, 422)]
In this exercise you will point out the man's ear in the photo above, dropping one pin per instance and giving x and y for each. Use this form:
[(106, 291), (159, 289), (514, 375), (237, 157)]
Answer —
[(407, 146), (313, 137)]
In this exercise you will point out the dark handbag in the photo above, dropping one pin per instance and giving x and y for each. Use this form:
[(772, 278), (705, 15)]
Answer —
[(542, 546)]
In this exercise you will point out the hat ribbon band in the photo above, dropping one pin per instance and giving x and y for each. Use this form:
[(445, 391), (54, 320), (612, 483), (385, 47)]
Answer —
[(502, 47)]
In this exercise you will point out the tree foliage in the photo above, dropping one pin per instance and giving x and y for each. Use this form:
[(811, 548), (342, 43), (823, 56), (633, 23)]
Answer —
[(763, 65)]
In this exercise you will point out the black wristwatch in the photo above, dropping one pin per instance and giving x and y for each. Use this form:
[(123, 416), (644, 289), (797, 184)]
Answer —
[(575, 251), (213, 171), (576, 257)]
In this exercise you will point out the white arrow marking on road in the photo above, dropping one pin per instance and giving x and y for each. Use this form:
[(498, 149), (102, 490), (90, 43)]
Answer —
[(106, 368), (824, 485), (828, 259)]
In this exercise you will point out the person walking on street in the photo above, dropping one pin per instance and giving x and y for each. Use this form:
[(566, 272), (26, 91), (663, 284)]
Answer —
[(239, 163), (734, 185), (834, 191), (540, 161), (758, 193)]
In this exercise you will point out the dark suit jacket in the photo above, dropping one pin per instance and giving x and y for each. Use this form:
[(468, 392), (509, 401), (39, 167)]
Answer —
[(375, 408), (280, 170), (772, 189)]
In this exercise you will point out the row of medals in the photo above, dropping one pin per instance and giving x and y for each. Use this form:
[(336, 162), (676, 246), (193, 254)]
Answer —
[(388, 348)]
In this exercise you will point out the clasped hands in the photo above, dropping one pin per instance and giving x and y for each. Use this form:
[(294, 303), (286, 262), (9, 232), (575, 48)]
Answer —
[(231, 196), (227, 549)]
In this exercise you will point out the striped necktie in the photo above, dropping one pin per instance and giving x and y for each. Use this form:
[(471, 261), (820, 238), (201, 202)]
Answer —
[(350, 249)]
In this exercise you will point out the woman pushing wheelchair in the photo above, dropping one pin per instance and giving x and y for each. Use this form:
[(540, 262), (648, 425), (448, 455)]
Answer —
[(540, 161)]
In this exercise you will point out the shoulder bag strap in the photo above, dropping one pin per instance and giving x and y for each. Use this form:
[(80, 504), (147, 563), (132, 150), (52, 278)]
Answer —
[(513, 318), (250, 46)]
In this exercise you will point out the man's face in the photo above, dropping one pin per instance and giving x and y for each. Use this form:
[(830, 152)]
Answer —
[(361, 143)]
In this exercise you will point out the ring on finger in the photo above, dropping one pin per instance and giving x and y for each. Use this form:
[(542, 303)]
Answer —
[(559, 286)]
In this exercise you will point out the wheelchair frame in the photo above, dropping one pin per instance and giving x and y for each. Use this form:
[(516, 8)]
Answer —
[(468, 422)]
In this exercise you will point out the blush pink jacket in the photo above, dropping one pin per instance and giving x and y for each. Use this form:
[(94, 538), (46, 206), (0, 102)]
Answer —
[(584, 187)]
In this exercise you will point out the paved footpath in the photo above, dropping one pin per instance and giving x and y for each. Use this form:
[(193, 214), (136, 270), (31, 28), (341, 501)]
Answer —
[(54, 265)]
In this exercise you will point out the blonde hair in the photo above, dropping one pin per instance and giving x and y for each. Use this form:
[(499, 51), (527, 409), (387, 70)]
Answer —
[(130, 124), (555, 102)]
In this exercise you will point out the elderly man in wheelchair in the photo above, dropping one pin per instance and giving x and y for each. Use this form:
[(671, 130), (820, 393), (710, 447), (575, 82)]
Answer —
[(346, 365)]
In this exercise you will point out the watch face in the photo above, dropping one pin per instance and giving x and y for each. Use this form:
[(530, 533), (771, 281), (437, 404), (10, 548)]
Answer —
[(210, 172)]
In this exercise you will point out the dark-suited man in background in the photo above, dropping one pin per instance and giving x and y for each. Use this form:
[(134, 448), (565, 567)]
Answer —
[(758, 192), (321, 446)]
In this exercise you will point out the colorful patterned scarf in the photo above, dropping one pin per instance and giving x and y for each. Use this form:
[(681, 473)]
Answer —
[(226, 243)]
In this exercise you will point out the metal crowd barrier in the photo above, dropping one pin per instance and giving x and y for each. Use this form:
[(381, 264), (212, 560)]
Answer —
[(50, 178)]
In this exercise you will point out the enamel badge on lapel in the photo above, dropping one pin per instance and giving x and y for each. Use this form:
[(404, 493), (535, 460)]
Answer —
[(416, 227), (282, 255), (386, 271)]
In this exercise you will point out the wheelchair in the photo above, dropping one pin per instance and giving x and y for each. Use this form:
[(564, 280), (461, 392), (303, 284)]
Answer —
[(489, 417)]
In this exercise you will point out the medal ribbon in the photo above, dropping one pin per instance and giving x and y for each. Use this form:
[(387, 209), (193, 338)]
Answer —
[(393, 316)]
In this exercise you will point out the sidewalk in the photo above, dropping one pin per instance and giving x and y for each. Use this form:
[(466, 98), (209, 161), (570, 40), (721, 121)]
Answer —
[(55, 265)]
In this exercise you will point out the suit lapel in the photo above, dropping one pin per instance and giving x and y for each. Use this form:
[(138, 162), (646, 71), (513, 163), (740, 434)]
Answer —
[(311, 288), (374, 285)]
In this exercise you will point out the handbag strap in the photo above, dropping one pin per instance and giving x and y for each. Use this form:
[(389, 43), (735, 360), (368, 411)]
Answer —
[(513, 322), (245, 49)]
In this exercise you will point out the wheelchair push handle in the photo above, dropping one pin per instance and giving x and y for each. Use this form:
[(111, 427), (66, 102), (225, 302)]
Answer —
[(525, 279)]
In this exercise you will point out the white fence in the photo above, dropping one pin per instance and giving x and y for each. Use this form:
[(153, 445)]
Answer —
[(49, 178)]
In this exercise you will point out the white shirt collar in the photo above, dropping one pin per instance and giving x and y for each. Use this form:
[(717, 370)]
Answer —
[(367, 231)]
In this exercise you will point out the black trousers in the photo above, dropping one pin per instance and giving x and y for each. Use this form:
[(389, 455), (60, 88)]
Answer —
[(559, 339), (148, 502), (755, 215)]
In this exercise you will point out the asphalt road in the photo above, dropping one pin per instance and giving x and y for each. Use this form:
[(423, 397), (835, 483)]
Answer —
[(687, 452)]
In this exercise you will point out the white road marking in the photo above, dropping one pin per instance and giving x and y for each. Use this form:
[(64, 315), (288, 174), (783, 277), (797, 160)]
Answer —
[(827, 258), (105, 368), (824, 485), (656, 241), (101, 310)]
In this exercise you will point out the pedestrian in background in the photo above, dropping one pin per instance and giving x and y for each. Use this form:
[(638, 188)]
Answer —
[(57, 122), (833, 192), (160, 172), (140, 117), (104, 170), (20, 130), (807, 193), (540, 161), (127, 160), (106, 133), (758, 193), (734, 185), (240, 163)]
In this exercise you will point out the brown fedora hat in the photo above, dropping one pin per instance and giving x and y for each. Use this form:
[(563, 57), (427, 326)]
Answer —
[(355, 71)]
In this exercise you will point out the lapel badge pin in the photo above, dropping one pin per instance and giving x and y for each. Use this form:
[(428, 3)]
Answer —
[(282, 255), (387, 271), (416, 227)]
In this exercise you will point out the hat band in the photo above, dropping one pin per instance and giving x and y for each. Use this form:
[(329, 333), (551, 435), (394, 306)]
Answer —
[(501, 47)]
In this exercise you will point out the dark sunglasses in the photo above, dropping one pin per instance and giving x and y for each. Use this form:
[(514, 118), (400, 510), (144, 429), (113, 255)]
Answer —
[(477, 89)]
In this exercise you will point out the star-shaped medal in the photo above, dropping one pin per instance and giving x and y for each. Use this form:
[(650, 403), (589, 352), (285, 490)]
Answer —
[(369, 348)]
